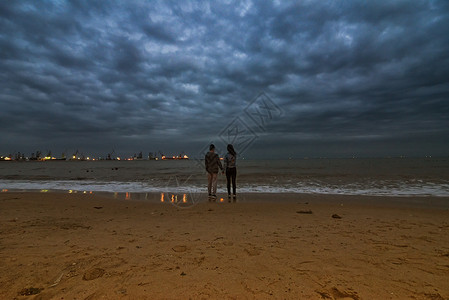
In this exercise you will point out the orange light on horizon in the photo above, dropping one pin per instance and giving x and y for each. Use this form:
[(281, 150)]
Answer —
[(4, 190), (172, 198), (127, 196), (184, 198), (221, 199), (162, 197)]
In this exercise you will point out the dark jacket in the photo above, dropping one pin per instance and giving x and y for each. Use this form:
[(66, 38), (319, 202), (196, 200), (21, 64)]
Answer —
[(212, 162)]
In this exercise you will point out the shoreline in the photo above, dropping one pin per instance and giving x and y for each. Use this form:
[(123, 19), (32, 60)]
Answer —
[(256, 197)]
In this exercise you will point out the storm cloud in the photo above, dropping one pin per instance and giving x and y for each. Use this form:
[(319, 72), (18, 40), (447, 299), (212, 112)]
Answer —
[(351, 77)]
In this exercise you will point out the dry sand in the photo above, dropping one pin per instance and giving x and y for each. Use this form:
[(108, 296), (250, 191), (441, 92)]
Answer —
[(61, 246)]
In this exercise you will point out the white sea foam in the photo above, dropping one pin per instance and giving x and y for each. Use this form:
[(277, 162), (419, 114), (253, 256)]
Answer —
[(81, 185), (379, 188)]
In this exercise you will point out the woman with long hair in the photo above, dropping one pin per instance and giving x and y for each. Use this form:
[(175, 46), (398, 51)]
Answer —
[(231, 171)]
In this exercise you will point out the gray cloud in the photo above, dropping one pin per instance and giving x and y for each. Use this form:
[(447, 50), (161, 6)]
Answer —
[(171, 75)]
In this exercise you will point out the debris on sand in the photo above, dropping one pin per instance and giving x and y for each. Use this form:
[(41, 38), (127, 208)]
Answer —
[(30, 291), (335, 216), (304, 212), (335, 293), (56, 282), (93, 273)]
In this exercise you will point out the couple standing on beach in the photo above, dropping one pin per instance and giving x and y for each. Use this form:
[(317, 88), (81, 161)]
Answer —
[(213, 163)]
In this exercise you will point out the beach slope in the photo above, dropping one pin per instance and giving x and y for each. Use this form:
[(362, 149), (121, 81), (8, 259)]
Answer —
[(76, 246)]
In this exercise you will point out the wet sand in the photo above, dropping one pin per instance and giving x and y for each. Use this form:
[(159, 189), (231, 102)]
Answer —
[(76, 246)]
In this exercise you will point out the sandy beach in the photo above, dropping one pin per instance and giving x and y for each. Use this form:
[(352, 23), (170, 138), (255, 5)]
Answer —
[(74, 246)]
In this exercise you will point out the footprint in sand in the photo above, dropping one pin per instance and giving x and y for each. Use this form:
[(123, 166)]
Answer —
[(252, 251)]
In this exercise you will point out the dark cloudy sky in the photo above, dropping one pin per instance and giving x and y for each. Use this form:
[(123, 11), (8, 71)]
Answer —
[(365, 78)]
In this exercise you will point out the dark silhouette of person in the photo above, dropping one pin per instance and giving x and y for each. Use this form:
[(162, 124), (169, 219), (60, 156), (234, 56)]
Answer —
[(212, 163), (230, 162)]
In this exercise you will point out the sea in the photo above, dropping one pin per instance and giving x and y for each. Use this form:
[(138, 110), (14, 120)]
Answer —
[(353, 176)]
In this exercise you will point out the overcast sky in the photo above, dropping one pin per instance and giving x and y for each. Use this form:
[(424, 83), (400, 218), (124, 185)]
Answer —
[(364, 78)]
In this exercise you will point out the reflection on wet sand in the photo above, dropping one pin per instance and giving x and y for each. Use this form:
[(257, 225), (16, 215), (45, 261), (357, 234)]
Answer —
[(181, 199), (163, 198), (174, 198), (74, 191)]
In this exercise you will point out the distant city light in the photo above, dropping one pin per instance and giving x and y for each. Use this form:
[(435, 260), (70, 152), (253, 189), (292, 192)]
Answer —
[(81, 157)]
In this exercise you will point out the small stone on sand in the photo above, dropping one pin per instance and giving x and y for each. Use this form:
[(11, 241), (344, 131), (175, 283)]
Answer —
[(93, 273), (180, 248)]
